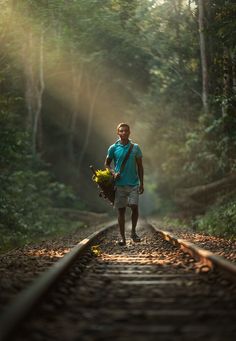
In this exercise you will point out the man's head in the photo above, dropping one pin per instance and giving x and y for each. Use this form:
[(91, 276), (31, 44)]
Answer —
[(123, 131)]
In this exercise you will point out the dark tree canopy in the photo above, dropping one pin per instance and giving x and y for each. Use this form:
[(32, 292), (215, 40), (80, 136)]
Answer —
[(70, 71)]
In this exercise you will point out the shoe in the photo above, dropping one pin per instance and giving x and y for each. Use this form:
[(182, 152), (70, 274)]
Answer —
[(135, 238), (121, 243)]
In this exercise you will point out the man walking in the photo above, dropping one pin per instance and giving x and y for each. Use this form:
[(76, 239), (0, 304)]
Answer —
[(128, 174)]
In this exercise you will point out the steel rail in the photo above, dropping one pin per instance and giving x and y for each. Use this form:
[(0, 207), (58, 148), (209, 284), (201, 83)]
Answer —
[(207, 258), (24, 302)]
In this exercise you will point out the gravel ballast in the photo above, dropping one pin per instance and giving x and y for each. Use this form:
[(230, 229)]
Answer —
[(20, 266)]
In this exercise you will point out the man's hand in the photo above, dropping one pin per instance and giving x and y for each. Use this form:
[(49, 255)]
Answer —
[(141, 189), (116, 176)]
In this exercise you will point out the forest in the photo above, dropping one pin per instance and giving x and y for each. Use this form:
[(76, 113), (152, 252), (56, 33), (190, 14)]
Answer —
[(70, 71)]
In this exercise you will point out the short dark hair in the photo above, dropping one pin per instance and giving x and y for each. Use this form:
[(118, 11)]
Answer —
[(122, 125)]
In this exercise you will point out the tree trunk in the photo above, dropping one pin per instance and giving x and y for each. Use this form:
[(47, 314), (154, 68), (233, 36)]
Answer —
[(37, 137), (178, 8), (201, 21), (90, 120), (233, 58), (34, 87), (76, 82), (29, 79), (226, 81), (200, 197)]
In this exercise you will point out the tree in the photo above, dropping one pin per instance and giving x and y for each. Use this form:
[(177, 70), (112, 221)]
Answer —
[(204, 62)]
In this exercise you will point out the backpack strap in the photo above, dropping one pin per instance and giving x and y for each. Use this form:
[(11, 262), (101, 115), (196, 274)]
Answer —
[(126, 158)]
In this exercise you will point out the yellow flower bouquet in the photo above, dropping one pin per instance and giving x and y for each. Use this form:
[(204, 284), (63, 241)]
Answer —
[(105, 182), (103, 176)]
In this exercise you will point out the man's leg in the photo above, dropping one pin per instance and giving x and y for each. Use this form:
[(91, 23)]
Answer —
[(134, 218), (121, 222)]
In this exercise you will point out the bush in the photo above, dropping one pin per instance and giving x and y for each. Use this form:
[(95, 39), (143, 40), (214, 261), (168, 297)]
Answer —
[(220, 219), (28, 191)]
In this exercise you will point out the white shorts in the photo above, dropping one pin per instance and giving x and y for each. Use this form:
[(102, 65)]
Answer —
[(126, 195)]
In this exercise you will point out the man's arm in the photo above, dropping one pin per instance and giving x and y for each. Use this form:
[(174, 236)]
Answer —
[(108, 165), (140, 173)]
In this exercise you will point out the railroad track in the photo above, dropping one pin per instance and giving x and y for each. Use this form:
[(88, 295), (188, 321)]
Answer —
[(147, 291)]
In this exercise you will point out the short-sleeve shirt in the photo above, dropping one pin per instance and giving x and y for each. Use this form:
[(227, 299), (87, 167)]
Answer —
[(117, 152)]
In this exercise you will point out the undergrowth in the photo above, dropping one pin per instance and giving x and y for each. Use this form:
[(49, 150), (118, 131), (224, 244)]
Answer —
[(220, 219), (52, 227)]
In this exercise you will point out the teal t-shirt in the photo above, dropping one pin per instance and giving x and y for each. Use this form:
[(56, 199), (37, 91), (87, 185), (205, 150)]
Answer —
[(117, 152)]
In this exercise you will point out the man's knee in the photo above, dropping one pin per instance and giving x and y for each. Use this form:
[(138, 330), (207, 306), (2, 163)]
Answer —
[(121, 212), (134, 208)]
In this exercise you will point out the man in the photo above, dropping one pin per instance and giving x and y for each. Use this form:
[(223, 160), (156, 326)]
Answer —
[(129, 181)]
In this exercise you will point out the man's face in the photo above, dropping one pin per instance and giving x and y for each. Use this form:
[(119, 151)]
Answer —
[(123, 133)]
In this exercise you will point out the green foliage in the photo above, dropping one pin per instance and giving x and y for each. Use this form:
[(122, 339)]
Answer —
[(63, 196), (210, 149), (220, 219), (144, 53), (27, 192)]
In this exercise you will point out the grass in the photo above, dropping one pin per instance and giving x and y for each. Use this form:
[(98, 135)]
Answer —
[(18, 238)]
